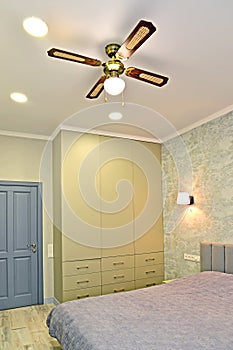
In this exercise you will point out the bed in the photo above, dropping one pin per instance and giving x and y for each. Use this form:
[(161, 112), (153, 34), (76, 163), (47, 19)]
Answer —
[(193, 312)]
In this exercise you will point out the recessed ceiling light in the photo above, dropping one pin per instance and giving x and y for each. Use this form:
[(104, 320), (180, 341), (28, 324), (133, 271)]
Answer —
[(115, 115), (35, 27), (18, 97)]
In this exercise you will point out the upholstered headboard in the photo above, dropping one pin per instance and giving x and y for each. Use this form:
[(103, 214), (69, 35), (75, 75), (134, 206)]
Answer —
[(216, 257)]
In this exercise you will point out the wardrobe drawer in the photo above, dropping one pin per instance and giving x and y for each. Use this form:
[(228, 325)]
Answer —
[(148, 282), (80, 267), (149, 271), (118, 287), (109, 277), (148, 259), (81, 281), (81, 293), (118, 262)]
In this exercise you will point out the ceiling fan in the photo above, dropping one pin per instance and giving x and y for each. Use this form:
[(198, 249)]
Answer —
[(115, 67)]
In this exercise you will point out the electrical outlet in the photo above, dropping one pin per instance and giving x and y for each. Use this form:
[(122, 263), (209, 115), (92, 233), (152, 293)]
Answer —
[(191, 257)]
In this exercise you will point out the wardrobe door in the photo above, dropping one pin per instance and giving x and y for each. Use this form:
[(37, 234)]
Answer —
[(116, 191), (148, 197)]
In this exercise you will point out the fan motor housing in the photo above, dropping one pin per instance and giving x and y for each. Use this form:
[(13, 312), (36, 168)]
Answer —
[(113, 68)]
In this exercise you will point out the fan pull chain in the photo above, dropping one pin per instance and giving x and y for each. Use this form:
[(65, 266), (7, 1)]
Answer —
[(122, 99), (105, 96)]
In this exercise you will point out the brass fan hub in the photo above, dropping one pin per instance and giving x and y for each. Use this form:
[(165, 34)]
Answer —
[(113, 68)]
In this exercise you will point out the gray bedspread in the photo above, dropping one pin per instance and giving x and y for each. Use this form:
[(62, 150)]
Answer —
[(192, 313)]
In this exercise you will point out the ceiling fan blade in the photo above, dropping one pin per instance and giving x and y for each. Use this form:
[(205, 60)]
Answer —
[(138, 36), (65, 55), (97, 88), (147, 77)]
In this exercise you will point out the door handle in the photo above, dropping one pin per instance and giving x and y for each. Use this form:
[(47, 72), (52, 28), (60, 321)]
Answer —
[(33, 245)]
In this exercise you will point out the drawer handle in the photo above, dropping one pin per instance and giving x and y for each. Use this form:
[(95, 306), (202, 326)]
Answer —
[(148, 272), (119, 276), (82, 267), (118, 263), (86, 281), (83, 296), (150, 284), (119, 290), (149, 259)]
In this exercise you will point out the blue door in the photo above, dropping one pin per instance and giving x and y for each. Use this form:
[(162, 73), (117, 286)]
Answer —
[(20, 245)]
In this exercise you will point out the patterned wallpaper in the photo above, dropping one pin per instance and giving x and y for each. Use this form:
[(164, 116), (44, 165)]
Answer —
[(201, 163)]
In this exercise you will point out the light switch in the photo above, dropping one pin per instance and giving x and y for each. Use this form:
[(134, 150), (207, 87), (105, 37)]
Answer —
[(50, 250)]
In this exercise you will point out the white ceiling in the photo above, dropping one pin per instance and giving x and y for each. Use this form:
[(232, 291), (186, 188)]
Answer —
[(192, 45)]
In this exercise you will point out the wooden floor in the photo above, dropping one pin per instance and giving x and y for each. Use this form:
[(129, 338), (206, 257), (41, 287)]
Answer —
[(25, 329)]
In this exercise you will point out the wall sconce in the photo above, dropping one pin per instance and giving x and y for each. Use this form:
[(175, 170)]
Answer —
[(184, 198)]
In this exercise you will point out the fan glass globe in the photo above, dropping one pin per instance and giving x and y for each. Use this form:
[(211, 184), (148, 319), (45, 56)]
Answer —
[(114, 86)]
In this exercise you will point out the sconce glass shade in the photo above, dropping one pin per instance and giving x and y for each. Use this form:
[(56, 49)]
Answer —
[(114, 86), (184, 198)]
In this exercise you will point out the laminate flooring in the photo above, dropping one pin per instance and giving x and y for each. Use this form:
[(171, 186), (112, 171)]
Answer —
[(25, 329)]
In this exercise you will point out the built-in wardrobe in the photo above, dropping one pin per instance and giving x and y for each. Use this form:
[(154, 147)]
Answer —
[(107, 200)]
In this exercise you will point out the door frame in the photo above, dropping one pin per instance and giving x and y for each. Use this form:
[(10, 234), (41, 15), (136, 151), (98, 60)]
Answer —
[(38, 185)]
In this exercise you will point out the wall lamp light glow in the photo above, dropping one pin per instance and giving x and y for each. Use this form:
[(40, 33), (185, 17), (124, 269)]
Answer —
[(184, 198)]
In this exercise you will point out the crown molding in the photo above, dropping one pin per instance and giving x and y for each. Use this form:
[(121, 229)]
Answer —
[(108, 133), (23, 135)]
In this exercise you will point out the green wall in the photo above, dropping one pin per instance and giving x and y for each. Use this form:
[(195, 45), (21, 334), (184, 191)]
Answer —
[(200, 162)]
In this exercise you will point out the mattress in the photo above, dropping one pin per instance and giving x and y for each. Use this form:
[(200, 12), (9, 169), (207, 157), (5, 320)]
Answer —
[(194, 312)]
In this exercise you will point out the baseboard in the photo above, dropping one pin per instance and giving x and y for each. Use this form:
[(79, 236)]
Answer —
[(51, 300)]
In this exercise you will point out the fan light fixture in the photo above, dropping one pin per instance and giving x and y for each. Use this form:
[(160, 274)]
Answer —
[(114, 86), (184, 198)]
